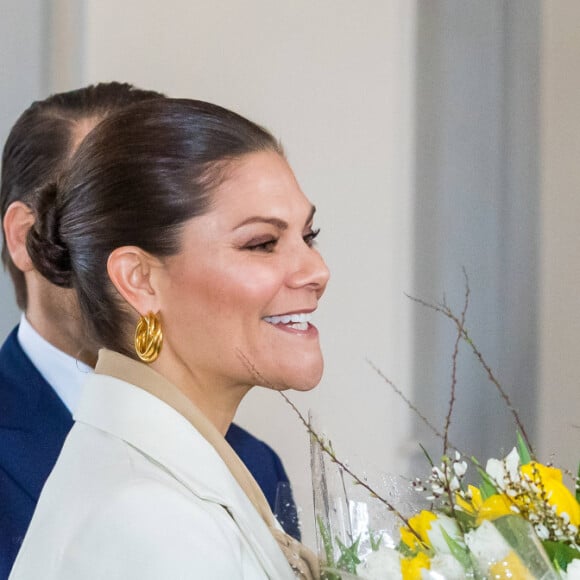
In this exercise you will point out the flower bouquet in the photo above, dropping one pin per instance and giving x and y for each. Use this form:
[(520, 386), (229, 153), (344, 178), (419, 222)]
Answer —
[(520, 521)]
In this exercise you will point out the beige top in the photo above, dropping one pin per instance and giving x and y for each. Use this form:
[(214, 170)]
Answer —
[(301, 559)]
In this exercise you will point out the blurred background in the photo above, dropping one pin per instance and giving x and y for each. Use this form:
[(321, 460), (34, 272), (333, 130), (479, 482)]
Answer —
[(433, 135)]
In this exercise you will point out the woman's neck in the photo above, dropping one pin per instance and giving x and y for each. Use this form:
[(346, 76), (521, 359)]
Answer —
[(216, 400)]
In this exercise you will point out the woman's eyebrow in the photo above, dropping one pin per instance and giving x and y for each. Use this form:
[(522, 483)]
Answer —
[(276, 222)]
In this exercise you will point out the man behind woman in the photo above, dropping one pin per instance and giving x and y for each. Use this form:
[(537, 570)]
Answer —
[(40, 368)]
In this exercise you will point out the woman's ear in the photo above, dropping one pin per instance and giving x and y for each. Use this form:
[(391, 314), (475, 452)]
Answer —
[(18, 220), (132, 272)]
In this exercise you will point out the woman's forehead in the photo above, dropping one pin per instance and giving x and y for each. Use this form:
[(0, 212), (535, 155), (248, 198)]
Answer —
[(260, 181)]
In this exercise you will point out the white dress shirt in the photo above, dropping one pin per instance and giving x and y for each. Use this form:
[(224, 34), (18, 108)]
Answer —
[(61, 371)]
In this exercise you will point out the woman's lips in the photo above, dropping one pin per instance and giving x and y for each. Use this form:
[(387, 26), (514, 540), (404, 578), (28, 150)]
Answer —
[(298, 322)]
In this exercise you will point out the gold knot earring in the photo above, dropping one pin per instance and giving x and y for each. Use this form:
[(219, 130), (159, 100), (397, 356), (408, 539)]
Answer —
[(148, 337)]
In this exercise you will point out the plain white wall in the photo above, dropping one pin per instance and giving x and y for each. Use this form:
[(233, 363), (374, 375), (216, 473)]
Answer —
[(560, 255), (333, 79)]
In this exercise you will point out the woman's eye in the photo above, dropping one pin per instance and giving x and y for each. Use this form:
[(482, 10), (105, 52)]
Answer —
[(261, 246), (311, 236)]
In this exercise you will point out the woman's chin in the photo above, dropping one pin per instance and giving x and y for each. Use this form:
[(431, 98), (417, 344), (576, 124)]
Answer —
[(303, 379)]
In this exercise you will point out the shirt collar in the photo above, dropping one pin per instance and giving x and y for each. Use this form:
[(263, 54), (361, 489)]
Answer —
[(61, 371)]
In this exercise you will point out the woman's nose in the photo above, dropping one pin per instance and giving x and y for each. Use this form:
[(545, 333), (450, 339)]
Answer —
[(310, 270)]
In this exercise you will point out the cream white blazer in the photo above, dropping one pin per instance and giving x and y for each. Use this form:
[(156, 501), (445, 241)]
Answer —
[(139, 494)]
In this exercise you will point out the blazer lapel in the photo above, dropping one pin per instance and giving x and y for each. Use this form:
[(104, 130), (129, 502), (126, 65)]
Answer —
[(168, 438)]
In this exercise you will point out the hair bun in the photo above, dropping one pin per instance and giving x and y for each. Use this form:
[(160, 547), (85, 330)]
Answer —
[(46, 249)]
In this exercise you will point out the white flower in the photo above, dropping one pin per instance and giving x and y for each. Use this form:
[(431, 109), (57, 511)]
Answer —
[(487, 545), (495, 469), (573, 571), (460, 468), (384, 563), (454, 484), (436, 535), (437, 473), (444, 566), (437, 489), (504, 471)]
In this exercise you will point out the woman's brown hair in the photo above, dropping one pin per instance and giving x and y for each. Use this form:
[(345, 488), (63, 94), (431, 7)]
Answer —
[(134, 181)]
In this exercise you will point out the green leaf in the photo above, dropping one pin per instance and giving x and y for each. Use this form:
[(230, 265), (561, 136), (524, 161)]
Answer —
[(560, 554), (426, 453), (348, 556), (523, 451), (329, 574), (327, 543), (405, 550), (487, 486), (459, 552), (375, 540), (466, 521)]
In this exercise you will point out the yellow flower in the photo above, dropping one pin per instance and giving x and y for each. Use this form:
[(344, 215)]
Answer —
[(510, 567), (411, 567), (473, 506), (557, 493), (421, 523), (494, 507)]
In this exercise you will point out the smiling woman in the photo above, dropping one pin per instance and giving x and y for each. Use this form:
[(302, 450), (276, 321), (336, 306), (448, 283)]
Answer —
[(249, 291), (183, 220)]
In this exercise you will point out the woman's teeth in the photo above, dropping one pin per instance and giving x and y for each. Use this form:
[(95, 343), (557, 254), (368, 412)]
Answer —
[(296, 321)]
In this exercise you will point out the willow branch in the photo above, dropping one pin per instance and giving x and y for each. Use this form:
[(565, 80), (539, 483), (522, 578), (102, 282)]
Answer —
[(448, 313), (407, 401), (453, 388)]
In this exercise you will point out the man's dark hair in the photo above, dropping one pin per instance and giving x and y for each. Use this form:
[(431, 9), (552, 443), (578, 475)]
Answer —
[(42, 140)]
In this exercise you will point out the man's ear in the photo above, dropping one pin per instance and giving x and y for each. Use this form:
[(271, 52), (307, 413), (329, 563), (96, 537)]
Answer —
[(132, 270), (17, 222)]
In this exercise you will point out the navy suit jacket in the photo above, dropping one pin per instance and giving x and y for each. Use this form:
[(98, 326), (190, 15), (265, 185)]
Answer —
[(33, 425)]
